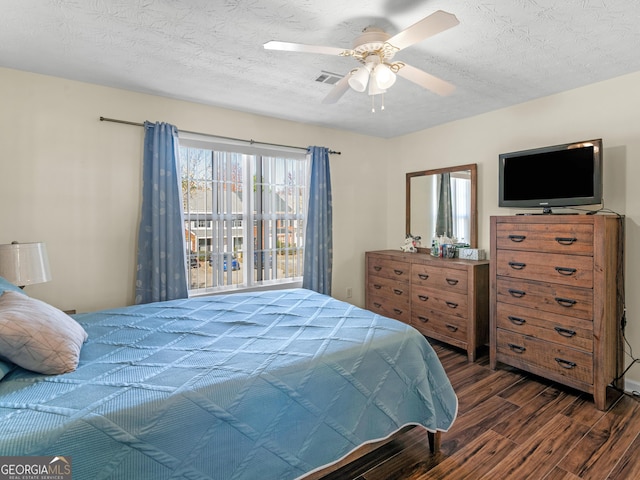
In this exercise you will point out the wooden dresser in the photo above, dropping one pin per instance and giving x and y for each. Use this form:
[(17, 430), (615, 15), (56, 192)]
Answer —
[(554, 298), (445, 299)]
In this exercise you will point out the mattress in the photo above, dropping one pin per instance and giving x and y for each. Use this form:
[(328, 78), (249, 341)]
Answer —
[(265, 385)]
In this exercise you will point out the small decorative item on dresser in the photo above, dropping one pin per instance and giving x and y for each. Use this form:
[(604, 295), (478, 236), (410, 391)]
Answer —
[(411, 243), (471, 254)]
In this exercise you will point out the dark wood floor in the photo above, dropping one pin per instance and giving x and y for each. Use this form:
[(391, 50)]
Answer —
[(510, 425)]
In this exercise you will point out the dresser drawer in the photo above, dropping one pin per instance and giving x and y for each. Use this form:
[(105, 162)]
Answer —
[(436, 324), (575, 270), (387, 287), (383, 267), (523, 350), (438, 277), (568, 331), (571, 239), (547, 297), (397, 308), (450, 303)]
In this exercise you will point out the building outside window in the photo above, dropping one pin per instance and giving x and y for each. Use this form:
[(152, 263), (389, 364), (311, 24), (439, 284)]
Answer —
[(244, 213)]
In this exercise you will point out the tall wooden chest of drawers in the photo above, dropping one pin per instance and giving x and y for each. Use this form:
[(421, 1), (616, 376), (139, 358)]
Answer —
[(446, 299), (555, 298)]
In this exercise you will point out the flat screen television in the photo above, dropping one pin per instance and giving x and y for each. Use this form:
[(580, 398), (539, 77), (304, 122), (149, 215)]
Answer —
[(556, 176)]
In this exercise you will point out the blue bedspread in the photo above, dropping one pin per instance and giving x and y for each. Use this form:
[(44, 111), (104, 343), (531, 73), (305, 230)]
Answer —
[(264, 385)]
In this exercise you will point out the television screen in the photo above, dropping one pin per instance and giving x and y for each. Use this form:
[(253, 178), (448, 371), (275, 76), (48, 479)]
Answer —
[(557, 176)]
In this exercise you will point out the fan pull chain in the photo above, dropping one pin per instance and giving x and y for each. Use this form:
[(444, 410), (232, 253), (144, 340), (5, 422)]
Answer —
[(373, 102)]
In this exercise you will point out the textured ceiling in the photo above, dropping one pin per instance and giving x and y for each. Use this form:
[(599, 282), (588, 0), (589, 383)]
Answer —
[(503, 52)]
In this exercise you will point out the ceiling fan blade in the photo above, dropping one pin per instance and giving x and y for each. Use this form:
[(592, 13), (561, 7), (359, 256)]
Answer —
[(300, 47), (338, 90), (427, 27), (426, 80)]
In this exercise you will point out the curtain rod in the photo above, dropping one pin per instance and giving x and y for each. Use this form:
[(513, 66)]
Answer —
[(251, 141)]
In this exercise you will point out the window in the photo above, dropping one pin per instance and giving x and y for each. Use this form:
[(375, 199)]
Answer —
[(461, 200), (244, 215)]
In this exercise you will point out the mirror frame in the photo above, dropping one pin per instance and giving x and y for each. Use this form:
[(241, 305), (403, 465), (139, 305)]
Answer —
[(473, 221)]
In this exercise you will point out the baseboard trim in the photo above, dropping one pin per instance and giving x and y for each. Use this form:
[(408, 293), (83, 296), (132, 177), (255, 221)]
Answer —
[(630, 386)]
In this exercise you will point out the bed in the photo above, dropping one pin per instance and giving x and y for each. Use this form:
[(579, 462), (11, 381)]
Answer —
[(267, 385)]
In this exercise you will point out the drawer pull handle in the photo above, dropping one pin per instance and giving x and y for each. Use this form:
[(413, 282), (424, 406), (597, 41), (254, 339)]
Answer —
[(517, 238), (453, 328), (516, 293), (566, 240), (397, 311), (377, 268), (517, 265), (423, 298), (376, 286), (451, 304), (565, 271), (517, 320), (451, 281), (397, 291), (565, 332), (516, 348), (377, 305), (565, 363), (423, 319), (398, 272), (423, 276), (565, 302)]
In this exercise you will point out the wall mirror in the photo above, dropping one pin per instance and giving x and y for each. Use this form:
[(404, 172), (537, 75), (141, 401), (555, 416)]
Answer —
[(425, 196)]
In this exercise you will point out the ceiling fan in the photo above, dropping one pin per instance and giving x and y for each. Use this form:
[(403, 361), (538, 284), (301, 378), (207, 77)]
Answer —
[(375, 49)]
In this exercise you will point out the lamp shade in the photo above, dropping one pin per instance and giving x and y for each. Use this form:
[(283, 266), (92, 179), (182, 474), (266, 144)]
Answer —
[(24, 263), (383, 76), (359, 79)]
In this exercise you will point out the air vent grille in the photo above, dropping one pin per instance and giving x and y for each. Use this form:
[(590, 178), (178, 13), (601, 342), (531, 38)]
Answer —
[(328, 77)]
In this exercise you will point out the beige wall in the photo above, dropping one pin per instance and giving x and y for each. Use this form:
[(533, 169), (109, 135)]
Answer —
[(74, 182), (609, 110)]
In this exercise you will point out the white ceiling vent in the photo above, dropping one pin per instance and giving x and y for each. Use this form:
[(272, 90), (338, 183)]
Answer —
[(328, 77)]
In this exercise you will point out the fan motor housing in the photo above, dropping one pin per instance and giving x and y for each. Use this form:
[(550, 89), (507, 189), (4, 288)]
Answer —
[(373, 41)]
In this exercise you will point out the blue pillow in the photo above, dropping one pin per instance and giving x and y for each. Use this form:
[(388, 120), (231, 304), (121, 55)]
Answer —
[(6, 285), (5, 367)]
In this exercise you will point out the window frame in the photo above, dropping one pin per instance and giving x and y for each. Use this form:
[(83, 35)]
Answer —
[(247, 219)]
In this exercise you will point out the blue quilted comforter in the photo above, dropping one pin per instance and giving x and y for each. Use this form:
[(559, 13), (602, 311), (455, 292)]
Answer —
[(264, 385)]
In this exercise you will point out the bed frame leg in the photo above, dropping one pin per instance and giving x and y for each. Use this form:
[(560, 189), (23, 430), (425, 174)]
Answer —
[(434, 441)]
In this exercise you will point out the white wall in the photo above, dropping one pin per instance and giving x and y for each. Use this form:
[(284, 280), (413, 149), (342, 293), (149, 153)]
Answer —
[(609, 110), (74, 182)]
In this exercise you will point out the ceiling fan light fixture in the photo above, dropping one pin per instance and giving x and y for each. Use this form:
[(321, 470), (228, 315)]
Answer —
[(359, 78), (384, 77), (374, 88)]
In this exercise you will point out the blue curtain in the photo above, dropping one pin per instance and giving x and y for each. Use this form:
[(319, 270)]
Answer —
[(318, 247), (444, 222), (161, 268)]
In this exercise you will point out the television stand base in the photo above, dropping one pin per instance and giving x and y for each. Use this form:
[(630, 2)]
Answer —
[(548, 211)]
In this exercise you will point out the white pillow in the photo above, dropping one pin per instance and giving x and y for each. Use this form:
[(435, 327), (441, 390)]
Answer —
[(37, 336)]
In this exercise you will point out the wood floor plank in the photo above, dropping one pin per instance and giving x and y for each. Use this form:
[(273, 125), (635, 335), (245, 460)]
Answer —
[(629, 465), (535, 458), (583, 410), (474, 394), (490, 446), (558, 474), (473, 424), (523, 391), (609, 439), (525, 422)]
